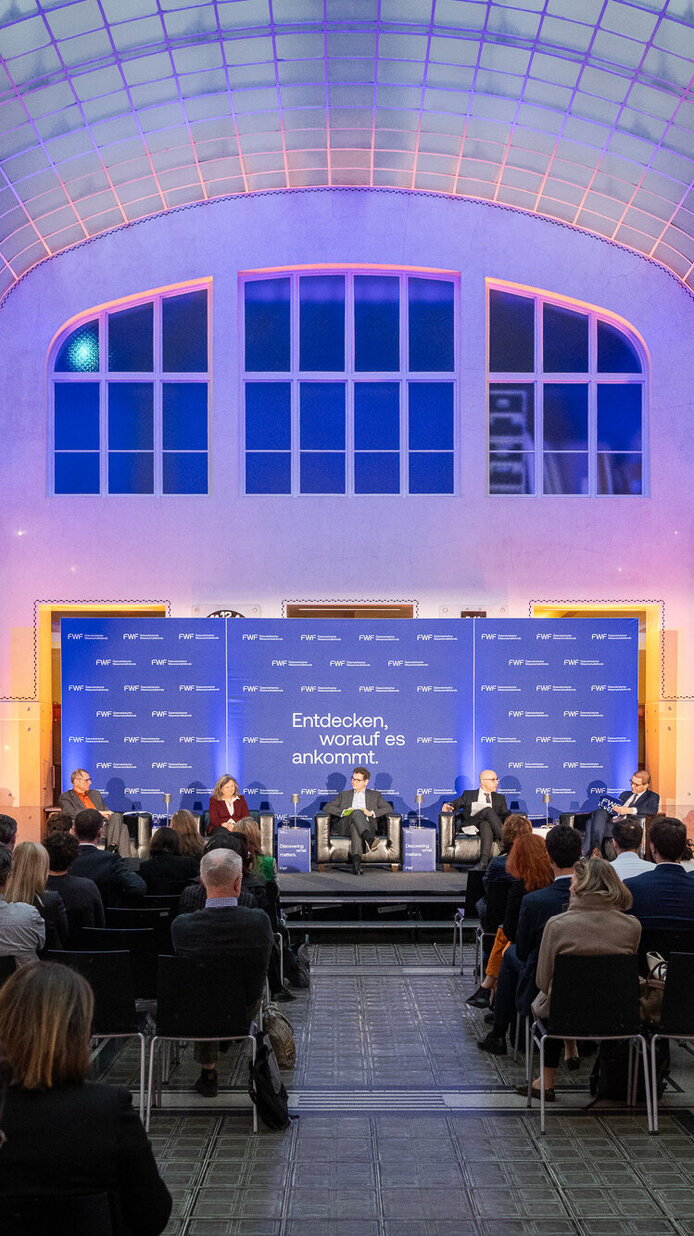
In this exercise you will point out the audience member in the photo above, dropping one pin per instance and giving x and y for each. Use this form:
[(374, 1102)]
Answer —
[(81, 897), (27, 883), (516, 982), (59, 822), (167, 871), (594, 923), (262, 864), (22, 930), (627, 836), (225, 929), (67, 1137), (514, 825), (115, 880), (8, 831), (185, 825), (193, 896), (666, 892)]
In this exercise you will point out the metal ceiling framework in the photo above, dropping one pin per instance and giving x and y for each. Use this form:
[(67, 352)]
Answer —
[(576, 110)]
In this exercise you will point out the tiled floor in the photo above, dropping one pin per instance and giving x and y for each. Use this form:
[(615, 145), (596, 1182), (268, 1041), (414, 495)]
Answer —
[(404, 1128)]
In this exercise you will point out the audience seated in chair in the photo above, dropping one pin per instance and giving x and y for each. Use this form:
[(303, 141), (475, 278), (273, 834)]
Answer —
[(27, 884), (167, 870), (627, 836), (81, 897), (115, 880), (492, 907), (8, 831), (667, 892), (185, 825), (22, 929)]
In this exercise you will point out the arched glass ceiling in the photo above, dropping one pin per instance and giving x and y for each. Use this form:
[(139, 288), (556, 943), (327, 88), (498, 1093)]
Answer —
[(580, 110)]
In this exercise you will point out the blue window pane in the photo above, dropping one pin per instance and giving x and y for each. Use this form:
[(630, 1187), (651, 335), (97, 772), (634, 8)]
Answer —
[(76, 416), (565, 416), (376, 416), (130, 416), (267, 325), (185, 472), (511, 417), (565, 340), (431, 416), (512, 472), (130, 472), (376, 472), (79, 353), (565, 473), (268, 472), (131, 339), (184, 412), (268, 416), (322, 473), (322, 416), (376, 323), (511, 333), (431, 324), (184, 330), (322, 322), (619, 417), (619, 474), (76, 473), (431, 473), (616, 353)]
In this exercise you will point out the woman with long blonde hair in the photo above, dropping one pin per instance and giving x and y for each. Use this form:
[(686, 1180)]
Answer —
[(27, 883), (227, 803)]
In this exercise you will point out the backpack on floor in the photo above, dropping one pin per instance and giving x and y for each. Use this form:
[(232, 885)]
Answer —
[(281, 1034), (265, 1085)]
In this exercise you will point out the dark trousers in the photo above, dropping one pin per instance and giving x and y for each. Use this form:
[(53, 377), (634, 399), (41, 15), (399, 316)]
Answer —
[(360, 828), (598, 826), (490, 827), (505, 994)]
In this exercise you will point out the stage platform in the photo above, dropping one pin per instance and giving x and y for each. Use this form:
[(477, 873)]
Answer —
[(378, 900)]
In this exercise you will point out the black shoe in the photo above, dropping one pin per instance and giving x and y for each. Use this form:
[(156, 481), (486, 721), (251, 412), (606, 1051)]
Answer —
[(489, 1019), (550, 1096), (356, 865), (480, 999), (495, 1044), (283, 996), (206, 1085), (374, 844)]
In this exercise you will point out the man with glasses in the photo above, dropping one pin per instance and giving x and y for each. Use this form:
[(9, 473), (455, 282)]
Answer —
[(639, 800), (486, 809), (83, 798)]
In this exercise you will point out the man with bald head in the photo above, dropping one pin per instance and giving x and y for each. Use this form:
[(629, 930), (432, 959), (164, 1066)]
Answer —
[(484, 807), (225, 929)]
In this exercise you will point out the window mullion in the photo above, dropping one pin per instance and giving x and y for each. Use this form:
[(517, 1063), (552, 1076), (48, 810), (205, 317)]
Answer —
[(103, 406)]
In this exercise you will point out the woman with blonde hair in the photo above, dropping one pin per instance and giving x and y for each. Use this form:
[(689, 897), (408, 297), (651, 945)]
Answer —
[(27, 883), (66, 1137), (185, 824), (227, 803)]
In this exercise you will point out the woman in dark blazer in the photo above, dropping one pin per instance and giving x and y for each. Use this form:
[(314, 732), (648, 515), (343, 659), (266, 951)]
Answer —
[(66, 1137), (167, 871)]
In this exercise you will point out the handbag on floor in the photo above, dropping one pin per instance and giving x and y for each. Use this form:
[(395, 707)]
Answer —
[(265, 1085), (651, 991)]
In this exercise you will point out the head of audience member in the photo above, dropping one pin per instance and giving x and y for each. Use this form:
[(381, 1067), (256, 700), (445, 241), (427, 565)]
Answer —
[(164, 841), (87, 826), (57, 1003), (627, 835), (62, 849), (529, 862), (514, 826), (668, 840), (185, 826), (223, 839), (597, 878), (221, 872), (5, 867), (29, 872), (58, 822), (564, 845), (226, 787), (8, 831), (248, 828)]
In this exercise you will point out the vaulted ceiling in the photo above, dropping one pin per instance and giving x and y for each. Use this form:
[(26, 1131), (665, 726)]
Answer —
[(578, 110)]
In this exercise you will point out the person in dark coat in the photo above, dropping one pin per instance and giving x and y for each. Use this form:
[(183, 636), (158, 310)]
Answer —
[(664, 897), (167, 871), (115, 880), (81, 897)]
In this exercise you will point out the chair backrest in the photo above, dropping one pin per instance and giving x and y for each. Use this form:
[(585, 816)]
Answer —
[(497, 896), (200, 998), (156, 918), (666, 940), (162, 901), (595, 995), (110, 976), (35, 1216), (473, 891), (678, 998), (141, 943), (8, 966)]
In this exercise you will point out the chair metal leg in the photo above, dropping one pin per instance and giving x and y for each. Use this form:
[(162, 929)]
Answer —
[(654, 1085), (542, 1084), (529, 1067), (150, 1082), (143, 1068), (527, 1062), (647, 1083), (253, 1048)]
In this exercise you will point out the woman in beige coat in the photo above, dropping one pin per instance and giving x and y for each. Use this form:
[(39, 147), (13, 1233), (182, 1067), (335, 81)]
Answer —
[(594, 922)]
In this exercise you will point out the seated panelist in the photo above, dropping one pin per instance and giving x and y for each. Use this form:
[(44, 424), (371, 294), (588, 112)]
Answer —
[(227, 805), (484, 807), (639, 800), (83, 798), (358, 809)]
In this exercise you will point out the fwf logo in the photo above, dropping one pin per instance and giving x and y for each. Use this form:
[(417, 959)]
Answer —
[(425, 637), (280, 663), (158, 764), (74, 687), (425, 689), (75, 636), (337, 664), (186, 635), (598, 738), (131, 635), (487, 635), (570, 764), (425, 740), (103, 660), (599, 635), (516, 712), (104, 764), (517, 764), (543, 686), (159, 712), (395, 664), (131, 686), (570, 712), (251, 740), (543, 635), (103, 713), (307, 638), (598, 686), (309, 689), (488, 687), (570, 660), (158, 661), (367, 690), (543, 738), (516, 661), (367, 639), (252, 637), (186, 686), (187, 738), (250, 689)]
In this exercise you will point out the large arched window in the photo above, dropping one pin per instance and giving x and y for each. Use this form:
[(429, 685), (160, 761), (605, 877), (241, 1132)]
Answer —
[(349, 382), (129, 398), (567, 398)]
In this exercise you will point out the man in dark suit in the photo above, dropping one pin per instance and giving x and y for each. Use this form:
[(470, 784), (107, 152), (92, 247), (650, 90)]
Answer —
[(116, 882), (639, 800), (225, 929), (358, 809), (517, 974), (666, 893), (83, 798), (485, 808)]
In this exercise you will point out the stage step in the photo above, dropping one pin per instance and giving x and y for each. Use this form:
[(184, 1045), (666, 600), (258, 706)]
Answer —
[(352, 924)]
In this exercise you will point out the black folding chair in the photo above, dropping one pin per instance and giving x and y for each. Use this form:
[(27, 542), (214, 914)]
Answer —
[(593, 997), (162, 901), (679, 938), (110, 976), (157, 918), (677, 1017), (141, 943), (8, 966), (198, 1001), (36, 1215)]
